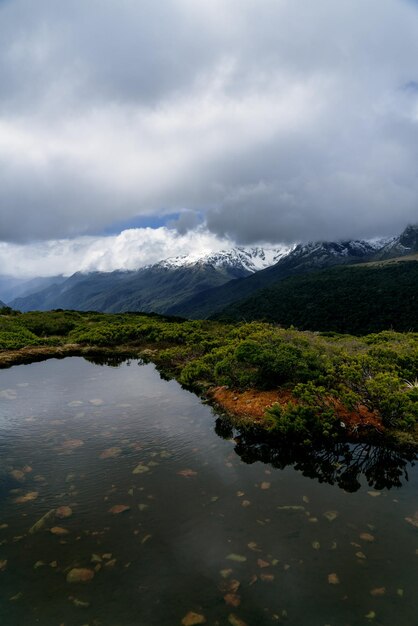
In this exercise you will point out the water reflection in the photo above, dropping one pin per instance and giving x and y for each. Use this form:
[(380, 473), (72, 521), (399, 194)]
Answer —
[(169, 524), (340, 464), (114, 360)]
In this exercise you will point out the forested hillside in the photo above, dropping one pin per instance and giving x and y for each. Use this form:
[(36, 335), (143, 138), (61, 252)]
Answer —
[(357, 299)]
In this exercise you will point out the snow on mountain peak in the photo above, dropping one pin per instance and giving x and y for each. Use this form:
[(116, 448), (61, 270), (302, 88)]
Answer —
[(251, 259)]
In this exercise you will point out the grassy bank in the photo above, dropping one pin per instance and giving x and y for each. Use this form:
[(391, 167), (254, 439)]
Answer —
[(300, 386)]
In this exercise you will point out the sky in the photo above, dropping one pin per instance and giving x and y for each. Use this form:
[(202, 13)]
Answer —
[(183, 125)]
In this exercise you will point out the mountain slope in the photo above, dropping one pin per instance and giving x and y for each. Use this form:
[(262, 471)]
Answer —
[(154, 288), (11, 287), (405, 244), (356, 299), (303, 258)]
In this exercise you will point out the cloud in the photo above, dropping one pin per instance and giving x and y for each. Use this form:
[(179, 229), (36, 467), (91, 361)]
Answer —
[(131, 249), (272, 121)]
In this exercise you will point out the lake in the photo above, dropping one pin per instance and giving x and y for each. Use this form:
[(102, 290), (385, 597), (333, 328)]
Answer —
[(172, 517)]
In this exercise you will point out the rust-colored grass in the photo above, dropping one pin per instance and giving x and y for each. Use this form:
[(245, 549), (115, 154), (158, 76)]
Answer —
[(252, 405)]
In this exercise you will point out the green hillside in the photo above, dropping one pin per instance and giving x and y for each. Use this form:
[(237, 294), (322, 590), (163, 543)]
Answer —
[(152, 289), (355, 299)]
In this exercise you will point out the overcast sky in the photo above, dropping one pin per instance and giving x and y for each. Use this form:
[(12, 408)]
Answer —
[(248, 120)]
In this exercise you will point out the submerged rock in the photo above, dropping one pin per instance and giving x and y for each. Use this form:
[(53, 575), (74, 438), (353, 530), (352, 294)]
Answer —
[(72, 444), (119, 508), (28, 497), (333, 579), (81, 604), (378, 591), (95, 558), (140, 469), (17, 475), (232, 599), (192, 619), (16, 597), (225, 573), (267, 578), (238, 558), (110, 453), (413, 519), (63, 512), (59, 531), (187, 473), (236, 621), (331, 515), (367, 537), (291, 508), (80, 575)]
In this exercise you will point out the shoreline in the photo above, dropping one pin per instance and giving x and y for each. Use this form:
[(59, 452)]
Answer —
[(244, 409)]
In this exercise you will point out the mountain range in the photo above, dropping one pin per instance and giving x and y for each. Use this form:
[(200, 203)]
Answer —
[(203, 287), (154, 288)]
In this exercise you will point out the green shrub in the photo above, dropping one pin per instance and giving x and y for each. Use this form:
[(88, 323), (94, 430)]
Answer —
[(194, 372), (304, 423), (15, 339), (48, 324), (379, 371)]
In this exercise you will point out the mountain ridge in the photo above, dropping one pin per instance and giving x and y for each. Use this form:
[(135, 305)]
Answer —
[(200, 286), (152, 288), (303, 258)]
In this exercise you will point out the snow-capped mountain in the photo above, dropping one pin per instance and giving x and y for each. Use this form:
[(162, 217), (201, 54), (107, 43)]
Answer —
[(325, 253), (156, 287), (302, 258), (198, 286), (405, 244), (249, 259)]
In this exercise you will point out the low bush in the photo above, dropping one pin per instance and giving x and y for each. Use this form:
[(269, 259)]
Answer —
[(379, 371)]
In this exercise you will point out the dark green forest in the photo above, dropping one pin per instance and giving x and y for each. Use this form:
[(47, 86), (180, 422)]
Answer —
[(355, 299)]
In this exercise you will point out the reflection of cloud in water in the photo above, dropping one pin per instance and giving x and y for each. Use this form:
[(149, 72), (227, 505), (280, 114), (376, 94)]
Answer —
[(8, 394)]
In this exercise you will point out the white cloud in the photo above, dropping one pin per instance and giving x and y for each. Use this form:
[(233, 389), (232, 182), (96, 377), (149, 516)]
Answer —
[(129, 250)]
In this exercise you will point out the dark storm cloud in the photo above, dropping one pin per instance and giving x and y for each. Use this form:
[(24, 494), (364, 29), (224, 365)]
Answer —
[(274, 120)]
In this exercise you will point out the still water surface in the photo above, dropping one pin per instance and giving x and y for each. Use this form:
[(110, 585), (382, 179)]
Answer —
[(217, 525)]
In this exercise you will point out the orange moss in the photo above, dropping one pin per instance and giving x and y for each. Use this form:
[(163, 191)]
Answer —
[(252, 404), (360, 418)]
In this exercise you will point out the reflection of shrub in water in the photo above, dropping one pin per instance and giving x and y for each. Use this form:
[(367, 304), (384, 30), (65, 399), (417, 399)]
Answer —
[(113, 360), (223, 428), (340, 464)]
